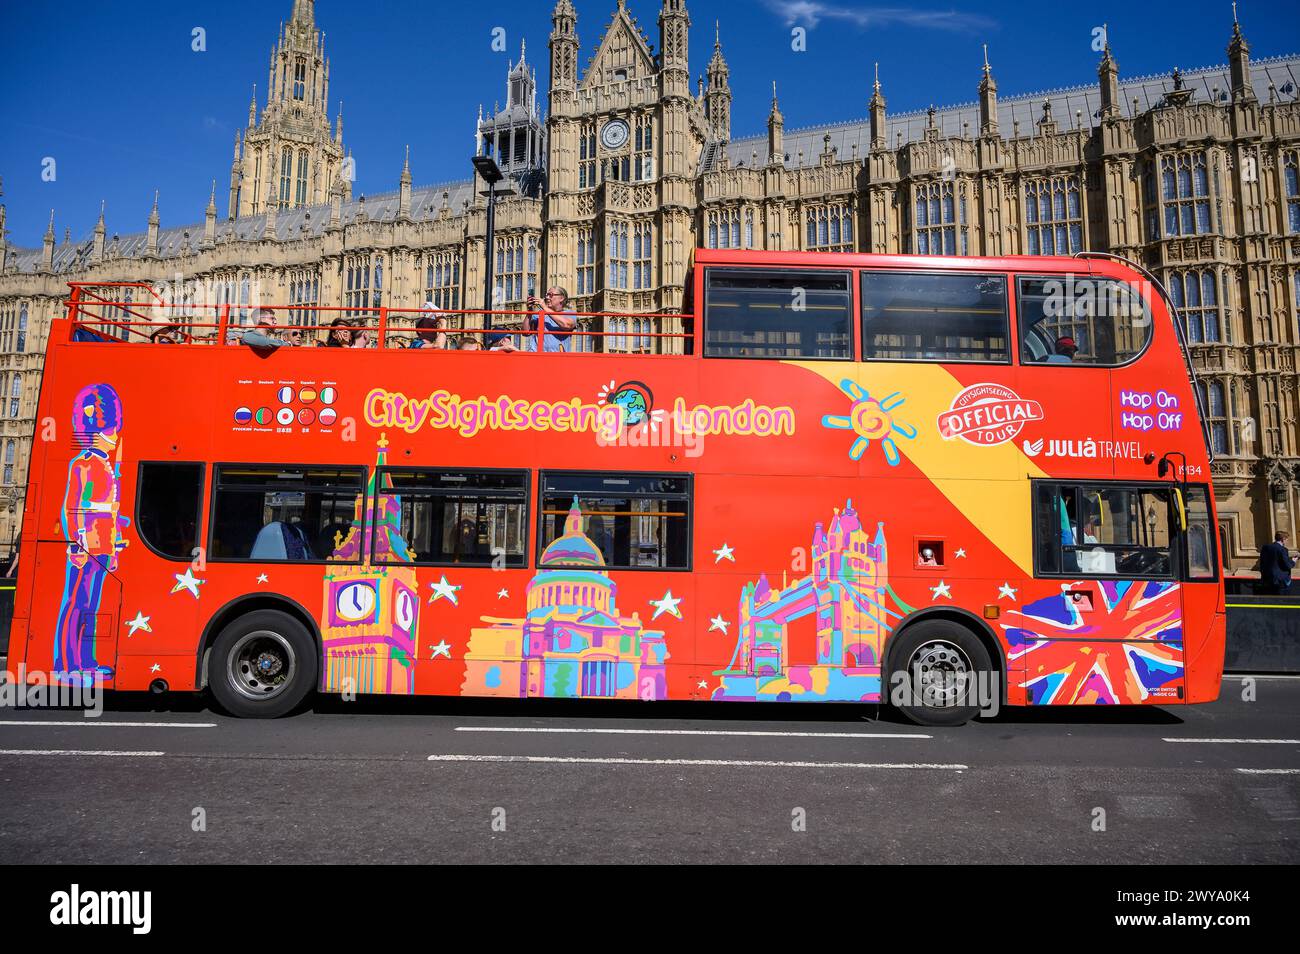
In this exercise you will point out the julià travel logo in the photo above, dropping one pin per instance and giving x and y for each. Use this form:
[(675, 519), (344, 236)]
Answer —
[(1087, 449), (78, 907)]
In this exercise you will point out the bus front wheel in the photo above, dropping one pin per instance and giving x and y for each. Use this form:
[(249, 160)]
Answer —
[(941, 674), (262, 665)]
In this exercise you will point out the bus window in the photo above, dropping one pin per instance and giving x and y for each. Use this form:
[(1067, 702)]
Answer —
[(1103, 530), (167, 506), (633, 521), (924, 316), (1080, 320), (1201, 561), (457, 517), (770, 313), (273, 514)]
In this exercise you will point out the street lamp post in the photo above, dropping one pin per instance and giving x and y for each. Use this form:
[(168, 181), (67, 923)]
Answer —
[(486, 167)]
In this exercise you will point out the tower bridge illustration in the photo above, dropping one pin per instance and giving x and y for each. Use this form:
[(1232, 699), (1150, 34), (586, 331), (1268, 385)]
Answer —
[(835, 655)]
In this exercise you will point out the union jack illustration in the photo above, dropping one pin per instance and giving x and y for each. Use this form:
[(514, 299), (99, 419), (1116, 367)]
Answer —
[(1126, 650)]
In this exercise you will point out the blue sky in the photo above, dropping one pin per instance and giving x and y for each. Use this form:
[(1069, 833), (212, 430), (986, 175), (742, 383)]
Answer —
[(114, 93)]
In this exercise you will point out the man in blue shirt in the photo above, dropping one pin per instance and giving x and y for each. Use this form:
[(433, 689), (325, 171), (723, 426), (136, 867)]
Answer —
[(560, 320)]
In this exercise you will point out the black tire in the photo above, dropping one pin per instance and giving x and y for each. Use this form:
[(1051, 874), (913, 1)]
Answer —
[(262, 665), (926, 666)]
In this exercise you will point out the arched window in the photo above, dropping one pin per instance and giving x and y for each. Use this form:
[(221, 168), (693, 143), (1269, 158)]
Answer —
[(301, 197), (300, 80), (1216, 414), (22, 328), (286, 175), (1195, 295)]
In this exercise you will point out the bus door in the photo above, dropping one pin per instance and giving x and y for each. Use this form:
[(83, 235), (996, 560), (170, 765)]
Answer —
[(1115, 634)]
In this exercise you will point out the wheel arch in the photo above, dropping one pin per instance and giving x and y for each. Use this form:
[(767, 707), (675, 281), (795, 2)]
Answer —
[(953, 614), (237, 607)]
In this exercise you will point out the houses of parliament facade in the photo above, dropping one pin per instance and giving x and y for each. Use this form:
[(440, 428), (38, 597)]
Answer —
[(1195, 175)]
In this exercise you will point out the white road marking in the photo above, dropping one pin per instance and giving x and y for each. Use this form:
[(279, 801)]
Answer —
[(77, 752), (698, 762), (1242, 741), (726, 732), (124, 725), (1294, 771)]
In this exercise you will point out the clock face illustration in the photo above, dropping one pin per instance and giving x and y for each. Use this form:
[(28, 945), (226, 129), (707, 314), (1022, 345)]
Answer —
[(355, 602), (614, 135), (404, 610)]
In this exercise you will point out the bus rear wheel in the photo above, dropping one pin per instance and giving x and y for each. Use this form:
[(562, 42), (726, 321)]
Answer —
[(262, 665), (939, 672)]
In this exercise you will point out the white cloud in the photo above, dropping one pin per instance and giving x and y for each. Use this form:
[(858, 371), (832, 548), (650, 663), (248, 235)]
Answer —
[(809, 13)]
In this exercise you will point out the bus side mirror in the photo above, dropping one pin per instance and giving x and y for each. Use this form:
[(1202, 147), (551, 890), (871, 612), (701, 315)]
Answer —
[(1162, 469)]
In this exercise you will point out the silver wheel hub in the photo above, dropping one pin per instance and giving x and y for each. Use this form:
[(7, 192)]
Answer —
[(261, 664), (941, 673)]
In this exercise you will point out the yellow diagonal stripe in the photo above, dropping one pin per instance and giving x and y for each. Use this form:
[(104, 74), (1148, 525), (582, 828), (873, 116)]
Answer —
[(993, 487)]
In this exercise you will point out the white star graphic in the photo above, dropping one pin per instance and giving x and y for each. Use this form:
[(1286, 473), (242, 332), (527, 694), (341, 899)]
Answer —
[(667, 605), (155, 668), (1006, 590), (502, 593), (724, 553), (140, 622), (187, 581), (261, 578), (940, 590), (702, 684), (959, 554), (442, 649), (718, 623), (444, 589)]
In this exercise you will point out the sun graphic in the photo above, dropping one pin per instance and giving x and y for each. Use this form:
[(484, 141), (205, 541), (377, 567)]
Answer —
[(872, 421)]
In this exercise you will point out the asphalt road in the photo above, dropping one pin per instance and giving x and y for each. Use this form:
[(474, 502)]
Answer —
[(437, 781)]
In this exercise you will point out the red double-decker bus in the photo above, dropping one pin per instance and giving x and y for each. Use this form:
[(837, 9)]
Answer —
[(839, 477)]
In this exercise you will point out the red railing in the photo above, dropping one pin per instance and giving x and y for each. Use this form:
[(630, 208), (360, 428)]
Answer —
[(89, 309)]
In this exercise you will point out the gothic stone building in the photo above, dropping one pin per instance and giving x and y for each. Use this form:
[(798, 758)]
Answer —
[(1194, 174)]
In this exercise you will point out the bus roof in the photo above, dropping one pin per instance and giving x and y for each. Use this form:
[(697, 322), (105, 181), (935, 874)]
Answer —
[(1035, 263)]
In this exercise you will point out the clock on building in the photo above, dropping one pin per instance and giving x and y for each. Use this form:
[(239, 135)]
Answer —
[(614, 135)]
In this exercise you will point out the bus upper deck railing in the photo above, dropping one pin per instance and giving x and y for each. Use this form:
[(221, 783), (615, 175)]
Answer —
[(116, 318)]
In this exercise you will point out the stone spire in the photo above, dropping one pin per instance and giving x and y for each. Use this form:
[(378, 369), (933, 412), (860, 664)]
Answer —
[(775, 132), (717, 105), (564, 50), (988, 99), (269, 230), (674, 48), (210, 219), (4, 243), (1239, 63), (97, 247), (151, 243), (47, 251), (1108, 74), (404, 192), (252, 107), (877, 107), (338, 126)]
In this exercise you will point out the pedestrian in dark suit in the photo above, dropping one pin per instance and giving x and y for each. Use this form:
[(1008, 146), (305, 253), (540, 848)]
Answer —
[(1275, 565)]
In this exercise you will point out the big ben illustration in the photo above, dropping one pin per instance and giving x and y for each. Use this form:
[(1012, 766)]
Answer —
[(371, 615)]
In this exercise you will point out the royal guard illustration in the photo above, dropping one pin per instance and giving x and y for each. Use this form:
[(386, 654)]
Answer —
[(93, 529)]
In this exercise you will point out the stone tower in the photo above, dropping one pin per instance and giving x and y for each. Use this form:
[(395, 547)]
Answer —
[(289, 157)]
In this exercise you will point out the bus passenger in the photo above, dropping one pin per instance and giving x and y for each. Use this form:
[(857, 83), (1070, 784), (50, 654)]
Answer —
[(430, 333), (499, 341), (341, 334), (559, 318), (1065, 351), (470, 343), (167, 334), (260, 335)]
